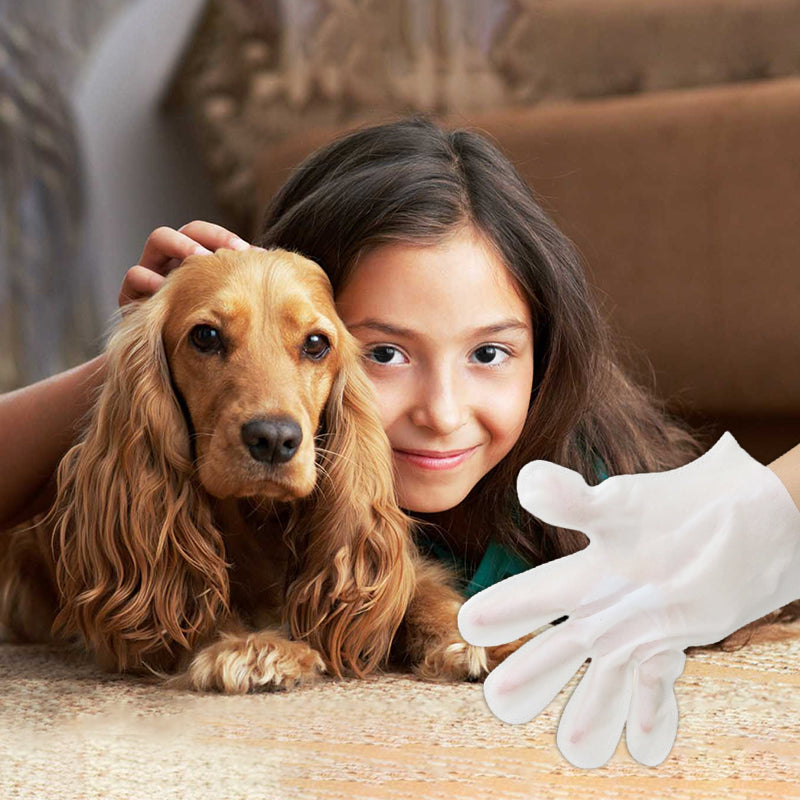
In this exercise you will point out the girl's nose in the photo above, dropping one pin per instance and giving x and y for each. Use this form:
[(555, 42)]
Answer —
[(441, 405)]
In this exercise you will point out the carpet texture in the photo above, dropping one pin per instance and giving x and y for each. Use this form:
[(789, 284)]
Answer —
[(68, 731)]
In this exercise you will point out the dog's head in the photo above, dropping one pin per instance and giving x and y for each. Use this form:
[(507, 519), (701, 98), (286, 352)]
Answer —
[(253, 346)]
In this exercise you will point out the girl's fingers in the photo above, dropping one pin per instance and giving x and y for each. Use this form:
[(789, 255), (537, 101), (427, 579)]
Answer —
[(198, 237), (212, 236), (139, 282), (164, 244)]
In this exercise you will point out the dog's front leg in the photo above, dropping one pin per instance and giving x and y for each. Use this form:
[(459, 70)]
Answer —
[(243, 661), (429, 638)]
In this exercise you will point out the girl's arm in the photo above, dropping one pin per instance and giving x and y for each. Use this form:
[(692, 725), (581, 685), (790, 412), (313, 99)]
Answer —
[(37, 426), (787, 468), (38, 423)]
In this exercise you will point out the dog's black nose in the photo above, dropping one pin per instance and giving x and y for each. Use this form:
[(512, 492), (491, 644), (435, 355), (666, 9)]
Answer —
[(272, 441)]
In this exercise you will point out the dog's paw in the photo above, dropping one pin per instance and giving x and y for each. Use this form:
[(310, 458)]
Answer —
[(241, 663), (457, 660), (453, 661)]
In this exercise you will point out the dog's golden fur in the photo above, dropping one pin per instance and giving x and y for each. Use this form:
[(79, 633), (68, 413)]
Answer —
[(170, 547)]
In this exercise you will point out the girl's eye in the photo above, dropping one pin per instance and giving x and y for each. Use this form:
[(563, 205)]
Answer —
[(316, 346), (206, 339), (384, 354), (491, 354)]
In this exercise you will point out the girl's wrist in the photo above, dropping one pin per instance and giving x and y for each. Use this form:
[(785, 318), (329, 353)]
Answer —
[(787, 468)]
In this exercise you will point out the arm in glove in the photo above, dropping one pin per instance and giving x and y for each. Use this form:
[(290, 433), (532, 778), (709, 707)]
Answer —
[(675, 559)]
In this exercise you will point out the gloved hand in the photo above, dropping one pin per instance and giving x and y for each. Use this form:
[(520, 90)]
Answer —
[(675, 559)]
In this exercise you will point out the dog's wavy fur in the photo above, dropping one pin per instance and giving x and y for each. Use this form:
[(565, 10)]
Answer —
[(142, 565), (160, 558)]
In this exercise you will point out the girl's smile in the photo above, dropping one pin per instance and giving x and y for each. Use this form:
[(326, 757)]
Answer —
[(434, 459), (449, 350)]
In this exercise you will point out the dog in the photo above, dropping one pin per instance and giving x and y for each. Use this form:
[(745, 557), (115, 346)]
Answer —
[(228, 516)]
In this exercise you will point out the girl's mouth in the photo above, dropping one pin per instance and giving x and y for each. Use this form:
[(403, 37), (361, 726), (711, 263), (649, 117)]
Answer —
[(430, 459)]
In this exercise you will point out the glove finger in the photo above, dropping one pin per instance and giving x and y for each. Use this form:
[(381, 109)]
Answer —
[(594, 716), (556, 495), (526, 682), (653, 718), (523, 603)]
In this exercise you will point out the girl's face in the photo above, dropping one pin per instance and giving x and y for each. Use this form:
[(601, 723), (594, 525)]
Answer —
[(450, 353)]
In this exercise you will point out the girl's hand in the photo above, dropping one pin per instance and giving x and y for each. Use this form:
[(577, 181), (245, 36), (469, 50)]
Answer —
[(166, 248)]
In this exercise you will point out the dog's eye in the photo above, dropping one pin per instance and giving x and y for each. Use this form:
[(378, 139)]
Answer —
[(316, 346), (206, 339)]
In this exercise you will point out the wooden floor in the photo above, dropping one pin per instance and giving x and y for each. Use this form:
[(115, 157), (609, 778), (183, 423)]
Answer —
[(69, 732)]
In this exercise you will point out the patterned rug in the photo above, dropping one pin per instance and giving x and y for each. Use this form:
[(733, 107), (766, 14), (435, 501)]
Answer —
[(72, 732)]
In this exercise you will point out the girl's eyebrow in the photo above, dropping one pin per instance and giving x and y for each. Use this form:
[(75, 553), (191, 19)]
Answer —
[(397, 330)]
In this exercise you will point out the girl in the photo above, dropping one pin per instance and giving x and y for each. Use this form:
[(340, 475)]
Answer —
[(480, 335)]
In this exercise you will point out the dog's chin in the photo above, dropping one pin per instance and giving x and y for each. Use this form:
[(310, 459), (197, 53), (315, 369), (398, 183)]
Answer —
[(282, 489), (276, 492)]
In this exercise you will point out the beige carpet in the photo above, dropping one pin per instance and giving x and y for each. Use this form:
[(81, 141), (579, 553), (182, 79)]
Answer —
[(68, 732)]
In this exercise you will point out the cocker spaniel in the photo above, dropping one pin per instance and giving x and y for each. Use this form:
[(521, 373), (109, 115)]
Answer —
[(228, 515)]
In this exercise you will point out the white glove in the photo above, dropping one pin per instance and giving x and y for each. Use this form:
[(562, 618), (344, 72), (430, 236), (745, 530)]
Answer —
[(675, 559)]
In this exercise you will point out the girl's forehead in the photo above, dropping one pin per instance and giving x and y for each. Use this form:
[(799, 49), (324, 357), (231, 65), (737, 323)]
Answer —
[(461, 276)]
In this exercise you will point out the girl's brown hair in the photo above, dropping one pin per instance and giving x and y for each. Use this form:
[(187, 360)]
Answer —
[(412, 181)]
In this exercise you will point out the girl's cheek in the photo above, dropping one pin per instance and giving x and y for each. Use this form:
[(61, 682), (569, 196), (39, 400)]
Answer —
[(508, 404), (390, 394)]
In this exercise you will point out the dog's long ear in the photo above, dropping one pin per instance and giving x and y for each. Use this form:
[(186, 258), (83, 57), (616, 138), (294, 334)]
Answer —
[(356, 575), (140, 565)]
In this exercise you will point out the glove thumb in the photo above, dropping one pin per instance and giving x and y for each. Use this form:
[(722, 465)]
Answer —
[(556, 495)]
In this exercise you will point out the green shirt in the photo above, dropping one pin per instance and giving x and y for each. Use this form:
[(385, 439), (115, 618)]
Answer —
[(497, 563)]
